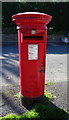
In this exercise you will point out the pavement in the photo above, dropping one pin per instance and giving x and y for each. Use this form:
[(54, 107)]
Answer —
[(56, 72)]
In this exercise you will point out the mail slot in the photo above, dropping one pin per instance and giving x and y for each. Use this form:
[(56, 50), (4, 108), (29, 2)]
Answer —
[(33, 37)]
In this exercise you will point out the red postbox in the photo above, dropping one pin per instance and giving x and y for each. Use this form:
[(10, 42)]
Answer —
[(32, 36)]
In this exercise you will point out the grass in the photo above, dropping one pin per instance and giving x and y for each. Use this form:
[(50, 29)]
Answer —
[(18, 95), (46, 94), (43, 110), (28, 115), (49, 83)]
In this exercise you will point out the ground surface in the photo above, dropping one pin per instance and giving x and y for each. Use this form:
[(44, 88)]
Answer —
[(56, 72)]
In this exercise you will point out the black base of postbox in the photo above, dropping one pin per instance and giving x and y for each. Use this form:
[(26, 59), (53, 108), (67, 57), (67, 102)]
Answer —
[(29, 102)]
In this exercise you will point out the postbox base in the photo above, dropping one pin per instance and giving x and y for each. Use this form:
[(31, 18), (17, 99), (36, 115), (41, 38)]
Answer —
[(29, 102)]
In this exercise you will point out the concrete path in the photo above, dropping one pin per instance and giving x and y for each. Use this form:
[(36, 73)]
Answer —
[(56, 64)]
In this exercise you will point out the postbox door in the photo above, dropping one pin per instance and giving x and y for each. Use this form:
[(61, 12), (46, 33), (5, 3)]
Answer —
[(32, 69)]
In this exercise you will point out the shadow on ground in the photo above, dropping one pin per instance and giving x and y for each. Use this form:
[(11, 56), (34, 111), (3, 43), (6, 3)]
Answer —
[(10, 104), (9, 49), (52, 48), (45, 108), (10, 65)]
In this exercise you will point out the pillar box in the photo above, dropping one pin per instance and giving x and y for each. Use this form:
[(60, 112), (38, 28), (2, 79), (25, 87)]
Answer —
[(32, 39)]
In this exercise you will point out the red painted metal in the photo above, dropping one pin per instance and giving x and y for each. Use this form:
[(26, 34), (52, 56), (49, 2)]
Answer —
[(32, 71)]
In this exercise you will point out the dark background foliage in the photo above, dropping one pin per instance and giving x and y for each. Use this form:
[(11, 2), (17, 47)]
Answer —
[(58, 10)]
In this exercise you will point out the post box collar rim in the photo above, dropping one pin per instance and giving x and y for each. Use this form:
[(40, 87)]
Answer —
[(35, 13), (32, 13)]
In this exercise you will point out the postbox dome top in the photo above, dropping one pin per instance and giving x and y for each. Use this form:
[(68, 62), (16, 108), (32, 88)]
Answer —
[(31, 18), (31, 13)]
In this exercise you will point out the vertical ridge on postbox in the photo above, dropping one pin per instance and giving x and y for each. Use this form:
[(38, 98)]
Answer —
[(32, 33)]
